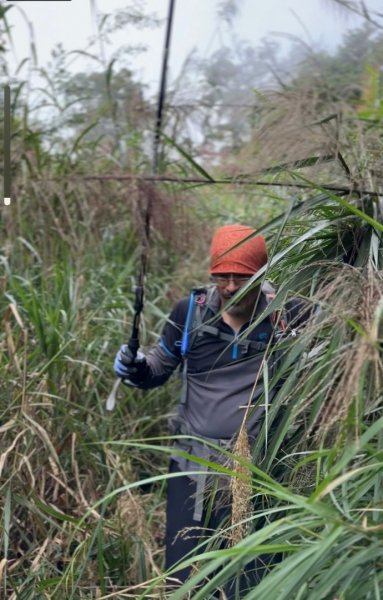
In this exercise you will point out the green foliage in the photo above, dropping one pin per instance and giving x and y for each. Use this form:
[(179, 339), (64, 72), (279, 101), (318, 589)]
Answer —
[(82, 491)]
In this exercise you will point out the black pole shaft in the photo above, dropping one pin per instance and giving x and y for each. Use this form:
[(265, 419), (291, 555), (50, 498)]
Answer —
[(7, 144), (162, 92), (134, 343)]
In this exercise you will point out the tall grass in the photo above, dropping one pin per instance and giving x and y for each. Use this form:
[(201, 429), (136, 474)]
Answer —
[(82, 491), (316, 475)]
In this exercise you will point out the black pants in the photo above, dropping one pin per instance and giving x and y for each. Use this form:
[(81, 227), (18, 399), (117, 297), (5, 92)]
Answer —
[(183, 534)]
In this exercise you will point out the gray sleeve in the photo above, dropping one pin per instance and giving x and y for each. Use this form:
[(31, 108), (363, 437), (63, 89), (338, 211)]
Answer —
[(165, 357)]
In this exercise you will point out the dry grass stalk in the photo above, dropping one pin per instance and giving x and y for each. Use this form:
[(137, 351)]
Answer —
[(288, 133), (132, 513), (10, 449), (35, 565), (241, 489), (241, 484), (132, 510), (3, 568), (362, 353), (12, 311)]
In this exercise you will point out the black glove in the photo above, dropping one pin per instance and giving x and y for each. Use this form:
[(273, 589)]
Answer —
[(132, 370)]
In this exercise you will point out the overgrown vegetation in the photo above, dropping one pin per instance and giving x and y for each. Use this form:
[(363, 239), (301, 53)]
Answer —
[(82, 491)]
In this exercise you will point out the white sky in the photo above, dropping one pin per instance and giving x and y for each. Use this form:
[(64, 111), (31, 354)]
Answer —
[(195, 26)]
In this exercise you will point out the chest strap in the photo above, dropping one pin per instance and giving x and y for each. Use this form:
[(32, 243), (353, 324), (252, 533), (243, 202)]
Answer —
[(245, 344)]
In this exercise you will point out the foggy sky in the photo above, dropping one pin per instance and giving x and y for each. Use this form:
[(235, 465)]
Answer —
[(195, 26)]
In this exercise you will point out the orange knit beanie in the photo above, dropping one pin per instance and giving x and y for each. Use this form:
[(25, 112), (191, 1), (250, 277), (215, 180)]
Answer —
[(247, 258)]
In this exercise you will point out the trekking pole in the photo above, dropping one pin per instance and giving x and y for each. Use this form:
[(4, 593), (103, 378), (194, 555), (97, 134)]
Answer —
[(134, 341)]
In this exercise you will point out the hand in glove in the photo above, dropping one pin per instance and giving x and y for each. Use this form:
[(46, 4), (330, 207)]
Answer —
[(132, 370)]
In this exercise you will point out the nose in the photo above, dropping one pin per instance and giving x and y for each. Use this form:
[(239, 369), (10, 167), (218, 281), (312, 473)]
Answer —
[(232, 286)]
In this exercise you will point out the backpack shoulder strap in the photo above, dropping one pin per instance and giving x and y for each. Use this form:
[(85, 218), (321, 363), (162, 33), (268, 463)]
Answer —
[(198, 306), (199, 301)]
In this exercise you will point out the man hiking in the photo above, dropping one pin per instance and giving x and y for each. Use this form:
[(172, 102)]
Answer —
[(221, 356)]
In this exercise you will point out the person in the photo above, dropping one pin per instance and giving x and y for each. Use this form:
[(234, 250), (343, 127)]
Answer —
[(220, 367)]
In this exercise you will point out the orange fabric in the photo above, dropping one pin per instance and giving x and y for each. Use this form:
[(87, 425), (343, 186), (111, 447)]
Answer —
[(247, 258)]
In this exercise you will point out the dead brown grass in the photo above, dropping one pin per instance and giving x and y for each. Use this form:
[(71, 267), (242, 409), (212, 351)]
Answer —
[(241, 489), (352, 301)]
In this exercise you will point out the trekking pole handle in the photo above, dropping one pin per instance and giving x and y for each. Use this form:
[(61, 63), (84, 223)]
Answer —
[(133, 346), (134, 342)]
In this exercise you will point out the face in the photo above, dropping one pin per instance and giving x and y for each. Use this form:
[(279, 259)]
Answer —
[(228, 285)]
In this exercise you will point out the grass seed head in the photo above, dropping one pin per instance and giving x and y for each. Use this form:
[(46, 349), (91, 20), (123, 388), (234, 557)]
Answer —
[(241, 488)]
